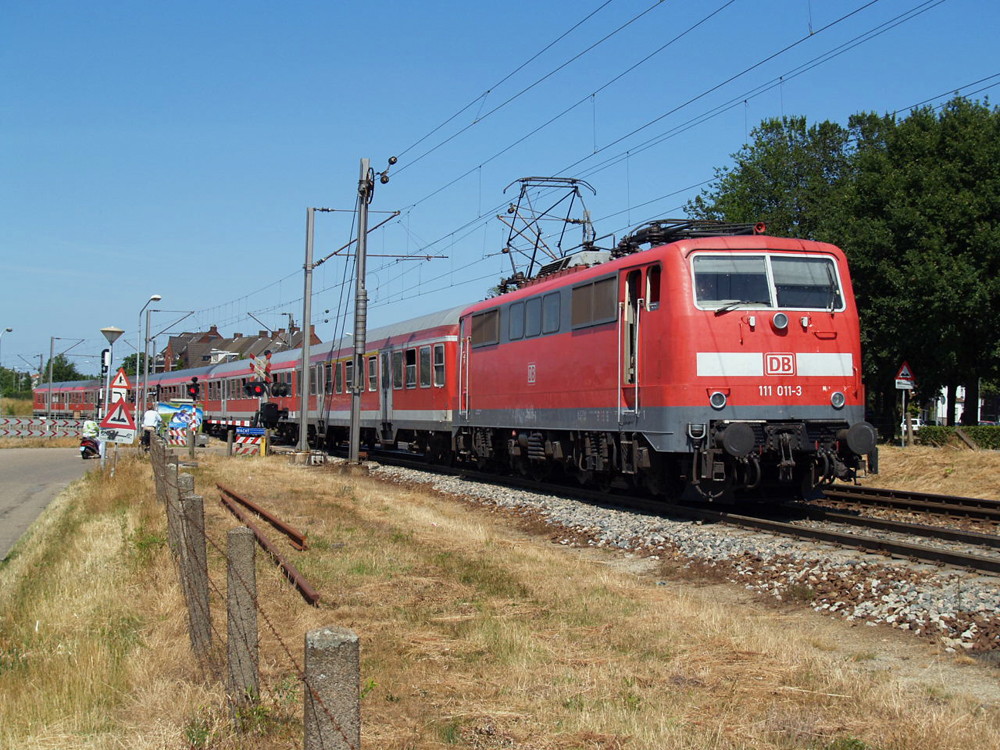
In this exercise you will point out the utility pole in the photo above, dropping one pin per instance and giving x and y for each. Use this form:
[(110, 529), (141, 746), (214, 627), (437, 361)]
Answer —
[(366, 186), (303, 445)]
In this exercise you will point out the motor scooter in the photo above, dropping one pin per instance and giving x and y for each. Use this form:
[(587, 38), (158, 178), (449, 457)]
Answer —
[(89, 448)]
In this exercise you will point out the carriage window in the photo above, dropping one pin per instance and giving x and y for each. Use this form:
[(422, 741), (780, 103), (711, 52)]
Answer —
[(438, 365), (397, 369), (550, 313), (516, 326), (731, 280), (338, 382), (594, 303), (806, 283), (533, 316), (349, 375), (485, 328), (372, 374), (411, 368), (653, 288), (425, 367)]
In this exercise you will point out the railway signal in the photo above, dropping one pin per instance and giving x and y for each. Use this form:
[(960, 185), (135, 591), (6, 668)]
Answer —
[(256, 389), (193, 389)]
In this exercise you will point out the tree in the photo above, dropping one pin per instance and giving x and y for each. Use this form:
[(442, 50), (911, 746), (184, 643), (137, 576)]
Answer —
[(128, 364), (784, 178), (62, 370)]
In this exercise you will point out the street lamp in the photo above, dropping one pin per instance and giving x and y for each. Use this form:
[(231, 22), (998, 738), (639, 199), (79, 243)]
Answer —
[(5, 330), (138, 330), (111, 333)]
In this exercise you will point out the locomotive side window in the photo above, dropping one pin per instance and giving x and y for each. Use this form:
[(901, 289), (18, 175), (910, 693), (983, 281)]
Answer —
[(372, 374), (397, 369), (805, 283), (722, 280), (425, 367), (594, 303), (550, 313), (533, 317), (411, 368), (653, 288), (486, 328), (516, 325), (438, 365)]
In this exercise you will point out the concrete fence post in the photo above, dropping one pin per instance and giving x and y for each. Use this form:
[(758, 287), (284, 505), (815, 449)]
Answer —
[(194, 571), (332, 717), (190, 443), (172, 499), (229, 443), (243, 686)]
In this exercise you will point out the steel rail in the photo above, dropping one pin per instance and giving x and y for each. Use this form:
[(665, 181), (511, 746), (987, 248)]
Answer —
[(295, 537), (291, 572), (975, 538), (961, 507)]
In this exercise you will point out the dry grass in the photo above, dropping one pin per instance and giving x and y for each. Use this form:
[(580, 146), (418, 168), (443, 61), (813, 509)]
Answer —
[(473, 635), (949, 470), (16, 407)]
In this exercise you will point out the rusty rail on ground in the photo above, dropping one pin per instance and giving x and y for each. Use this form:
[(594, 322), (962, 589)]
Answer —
[(296, 537), (291, 572)]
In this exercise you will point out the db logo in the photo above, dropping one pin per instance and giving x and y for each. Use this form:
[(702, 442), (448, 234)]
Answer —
[(531, 373), (779, 364)]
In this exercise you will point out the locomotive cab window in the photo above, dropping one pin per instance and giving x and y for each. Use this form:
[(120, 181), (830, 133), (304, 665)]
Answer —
[(806, 283), (724, 282), (653, 288)]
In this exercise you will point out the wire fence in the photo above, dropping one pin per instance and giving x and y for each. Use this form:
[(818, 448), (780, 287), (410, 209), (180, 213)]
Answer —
[(330, 668)]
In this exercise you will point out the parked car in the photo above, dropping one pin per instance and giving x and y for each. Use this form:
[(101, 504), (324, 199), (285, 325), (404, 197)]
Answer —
[(915, 422)]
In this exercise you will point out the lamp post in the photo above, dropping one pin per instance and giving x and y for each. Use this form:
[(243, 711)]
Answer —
[(5, 330), (138, 330)]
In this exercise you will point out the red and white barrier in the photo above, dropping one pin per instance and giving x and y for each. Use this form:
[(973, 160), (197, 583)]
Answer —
[(248, 445)]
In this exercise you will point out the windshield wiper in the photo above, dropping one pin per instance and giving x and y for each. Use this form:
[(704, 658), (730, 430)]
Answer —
[(736, 303)]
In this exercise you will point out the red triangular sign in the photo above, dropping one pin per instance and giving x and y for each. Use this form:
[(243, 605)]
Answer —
[(121, 380), (905, 373), (119, 417)]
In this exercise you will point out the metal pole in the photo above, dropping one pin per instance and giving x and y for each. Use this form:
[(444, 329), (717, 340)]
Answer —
[(48, 398), (306, 326), (6, 330), (145, 362), (360, 314)]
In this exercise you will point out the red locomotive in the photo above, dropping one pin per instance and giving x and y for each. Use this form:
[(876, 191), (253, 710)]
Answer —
[(718, 359)]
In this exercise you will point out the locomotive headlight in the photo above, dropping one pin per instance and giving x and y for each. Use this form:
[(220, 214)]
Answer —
[(838, 400), (780, 321), (717, 399)]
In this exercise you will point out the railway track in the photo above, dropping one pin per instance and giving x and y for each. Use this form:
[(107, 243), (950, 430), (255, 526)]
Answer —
[(922, 502), (851, 539)]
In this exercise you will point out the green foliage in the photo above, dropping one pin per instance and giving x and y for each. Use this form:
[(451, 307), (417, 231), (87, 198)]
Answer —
[(985, 436), (62, 370)]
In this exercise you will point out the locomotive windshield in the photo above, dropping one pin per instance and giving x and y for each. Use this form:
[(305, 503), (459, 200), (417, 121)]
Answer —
[(725, 282)]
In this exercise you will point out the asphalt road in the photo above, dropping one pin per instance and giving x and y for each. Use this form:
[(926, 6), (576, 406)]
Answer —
[(29, 479)]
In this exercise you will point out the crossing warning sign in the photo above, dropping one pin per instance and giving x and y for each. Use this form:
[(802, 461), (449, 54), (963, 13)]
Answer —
[(904, 378), (118, 426), (121, 381)]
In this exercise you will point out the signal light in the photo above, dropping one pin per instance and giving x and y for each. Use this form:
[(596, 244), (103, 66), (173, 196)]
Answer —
[(280, 389), (193, 389), (256, 389)]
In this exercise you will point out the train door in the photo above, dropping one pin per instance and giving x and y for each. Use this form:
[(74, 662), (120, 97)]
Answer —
[(630, 325), (385, 395), (464, 345)]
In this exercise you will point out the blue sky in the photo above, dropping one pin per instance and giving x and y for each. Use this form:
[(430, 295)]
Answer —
[(173, 148)]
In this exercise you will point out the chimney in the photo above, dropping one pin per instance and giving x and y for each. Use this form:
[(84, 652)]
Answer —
[(263, 334), (237, 336)]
